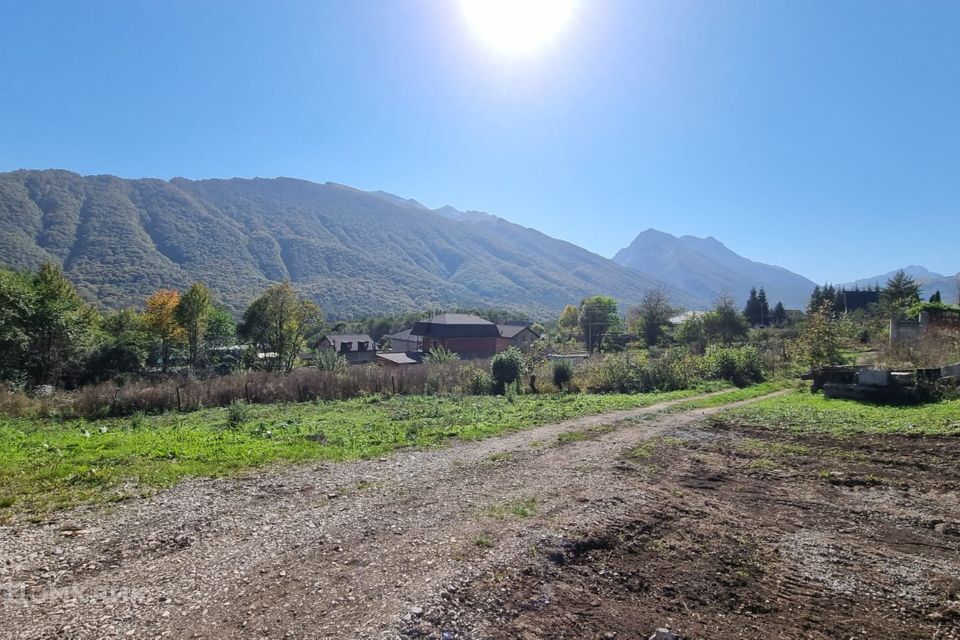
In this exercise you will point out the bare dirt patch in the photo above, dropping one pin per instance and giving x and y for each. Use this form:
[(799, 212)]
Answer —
[(747, 534)]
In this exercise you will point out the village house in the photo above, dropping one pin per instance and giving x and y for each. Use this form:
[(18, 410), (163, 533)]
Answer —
[(471, 336), (401, 341), (520, 336), (467, 335), (356, 348), (857, 299)]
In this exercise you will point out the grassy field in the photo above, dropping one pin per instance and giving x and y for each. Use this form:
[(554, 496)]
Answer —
[(734, 395), (50, 464), (805, 412)]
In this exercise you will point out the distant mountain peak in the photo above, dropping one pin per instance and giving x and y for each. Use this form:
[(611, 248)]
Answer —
[(929, 281), (706, 268)]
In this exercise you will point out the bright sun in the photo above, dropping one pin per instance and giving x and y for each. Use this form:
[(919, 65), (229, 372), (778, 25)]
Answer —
[(517, 26)]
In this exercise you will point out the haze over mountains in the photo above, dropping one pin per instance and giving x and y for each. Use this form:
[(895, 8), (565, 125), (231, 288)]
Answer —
[(705, 268), (930, 282)]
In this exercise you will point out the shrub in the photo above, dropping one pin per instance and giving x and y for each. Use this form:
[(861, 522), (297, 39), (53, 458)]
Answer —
[(615, 372), (330, 360), (441, 354), (671, 371), (478, 382), (512, 391), (562, 372), (237, 413), (506, 368), (18, 403), (739, 365)]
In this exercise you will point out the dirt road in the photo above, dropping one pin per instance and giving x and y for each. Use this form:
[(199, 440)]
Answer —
[(557, 531)]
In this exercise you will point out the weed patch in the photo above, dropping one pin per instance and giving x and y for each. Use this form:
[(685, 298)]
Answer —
[(807, 413), (647, 448), (518, 509), (578, 435)]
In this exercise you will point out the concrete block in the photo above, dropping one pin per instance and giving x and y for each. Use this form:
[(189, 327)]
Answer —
[(950, 370), (873, 377), (903, 378)]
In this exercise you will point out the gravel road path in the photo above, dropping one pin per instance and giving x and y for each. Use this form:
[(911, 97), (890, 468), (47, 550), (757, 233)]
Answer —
[(350, 550)]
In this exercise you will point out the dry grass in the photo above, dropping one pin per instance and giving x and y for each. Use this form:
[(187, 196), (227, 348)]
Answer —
[(936, 349), (301, 385)]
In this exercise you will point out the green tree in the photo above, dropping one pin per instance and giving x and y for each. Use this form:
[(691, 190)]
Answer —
[(819, 344), (652, 316), (692, 333), (277, 322), (901, 293), (123, 346), (751, 311), (779, 316), (61, 326), (221, 328), (936, 296), (763, 307), (598, 314), (193, 315), (724, 323), (17, 299)]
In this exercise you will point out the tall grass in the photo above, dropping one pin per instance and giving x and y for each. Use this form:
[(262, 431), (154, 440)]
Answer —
[(629, 372), (301, 385)]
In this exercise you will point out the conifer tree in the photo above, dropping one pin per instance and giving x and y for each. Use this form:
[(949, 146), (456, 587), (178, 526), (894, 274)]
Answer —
[(752, 309), (779, 316), (764, 307)]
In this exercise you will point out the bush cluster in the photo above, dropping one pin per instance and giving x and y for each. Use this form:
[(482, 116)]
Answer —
[(628, 372), (506, 368), (739, 365), (561, 372)]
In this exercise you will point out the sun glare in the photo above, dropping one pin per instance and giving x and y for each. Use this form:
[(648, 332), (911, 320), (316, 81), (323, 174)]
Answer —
[(517, 26)]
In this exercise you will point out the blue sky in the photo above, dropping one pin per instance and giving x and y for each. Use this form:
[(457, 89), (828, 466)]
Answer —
[(821, 135)]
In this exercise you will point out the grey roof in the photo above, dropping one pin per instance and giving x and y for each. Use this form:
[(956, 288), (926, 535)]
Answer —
[(456, 318), (455, 325), (336, 339), (401, 335), (511, 330), (402, 357)]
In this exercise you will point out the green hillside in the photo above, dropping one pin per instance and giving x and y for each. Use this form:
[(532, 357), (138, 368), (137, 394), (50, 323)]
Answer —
[(354, 252)]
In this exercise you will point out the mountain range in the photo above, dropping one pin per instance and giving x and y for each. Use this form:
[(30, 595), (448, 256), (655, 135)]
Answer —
[(354, 252)]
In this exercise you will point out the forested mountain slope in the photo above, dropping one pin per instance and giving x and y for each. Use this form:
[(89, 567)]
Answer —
[(352, 251)]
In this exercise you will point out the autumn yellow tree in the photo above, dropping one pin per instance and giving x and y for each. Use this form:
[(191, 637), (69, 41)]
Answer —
[(160, 319), (569, 319)]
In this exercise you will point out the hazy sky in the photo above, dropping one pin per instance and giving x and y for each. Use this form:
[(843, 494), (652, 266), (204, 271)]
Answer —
[(821, 135)]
